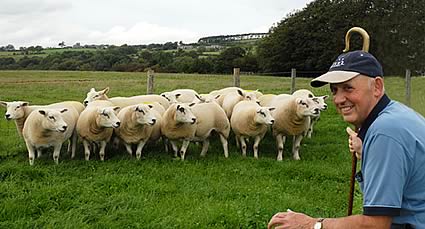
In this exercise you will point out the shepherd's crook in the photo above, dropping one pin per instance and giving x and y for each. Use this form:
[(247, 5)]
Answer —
[(353, 156)]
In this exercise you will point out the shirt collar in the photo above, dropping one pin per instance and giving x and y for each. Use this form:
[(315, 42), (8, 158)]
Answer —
[(382, 103)]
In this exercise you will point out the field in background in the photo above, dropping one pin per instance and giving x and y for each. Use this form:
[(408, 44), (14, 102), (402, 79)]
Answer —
[(159, 191)]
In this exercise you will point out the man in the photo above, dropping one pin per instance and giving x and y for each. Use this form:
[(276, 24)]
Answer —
[(392, 176)]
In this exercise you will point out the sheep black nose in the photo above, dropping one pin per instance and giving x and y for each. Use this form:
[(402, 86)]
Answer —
[(64, 127), (86, 103), (153, 121), (316, 110), (7, 116), (326, 107), (118, 124), (272, 121), (193, 120)]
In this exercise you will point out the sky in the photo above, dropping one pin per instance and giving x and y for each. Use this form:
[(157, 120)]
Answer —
[(25, 23)]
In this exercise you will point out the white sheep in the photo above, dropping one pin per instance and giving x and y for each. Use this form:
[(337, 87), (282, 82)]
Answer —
[(265, 100), (49, 127), (181, 96), (179, 124), (232, 98), (211, 117), (137, 125), (250, 120), (20, 110), (122, 102), (95, 125), (292, 117), (320, 100)]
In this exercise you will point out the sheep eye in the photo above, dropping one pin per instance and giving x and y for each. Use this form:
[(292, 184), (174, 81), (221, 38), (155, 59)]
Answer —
[(52, 118), (181, 109), (105, 114)]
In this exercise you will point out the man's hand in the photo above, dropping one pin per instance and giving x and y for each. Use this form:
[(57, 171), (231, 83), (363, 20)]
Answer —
[(354, 143), (291, 220)]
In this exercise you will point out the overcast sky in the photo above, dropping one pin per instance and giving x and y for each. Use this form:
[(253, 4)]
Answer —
[(48, 22)]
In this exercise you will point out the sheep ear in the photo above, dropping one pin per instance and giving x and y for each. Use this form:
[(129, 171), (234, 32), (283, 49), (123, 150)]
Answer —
[(178, 107), (116, 108), (25, 104), (63, 110), (3, 104), (178, 95), (150, 106), (217, 96), (199, 97), (192, 104), (272, 108), (310, 95), (43, 112), (105, 91), (325, 97), (92, 89), (240, 92)]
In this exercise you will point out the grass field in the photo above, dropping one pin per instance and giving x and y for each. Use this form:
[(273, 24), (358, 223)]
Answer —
[(159, 191)]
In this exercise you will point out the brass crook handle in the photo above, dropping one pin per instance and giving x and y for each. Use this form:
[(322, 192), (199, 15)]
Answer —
[(366, 40)]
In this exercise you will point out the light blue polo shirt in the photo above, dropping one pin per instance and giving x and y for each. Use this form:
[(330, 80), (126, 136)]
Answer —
[(393, 163)]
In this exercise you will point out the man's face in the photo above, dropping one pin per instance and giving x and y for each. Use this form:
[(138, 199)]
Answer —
[(355, 99)]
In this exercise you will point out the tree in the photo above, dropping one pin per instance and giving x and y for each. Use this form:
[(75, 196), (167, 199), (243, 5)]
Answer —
[(62, 44)]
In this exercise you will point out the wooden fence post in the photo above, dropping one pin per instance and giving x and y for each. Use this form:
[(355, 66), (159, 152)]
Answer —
[(293, 76), (408, 86), (150, 83), (236, 77)]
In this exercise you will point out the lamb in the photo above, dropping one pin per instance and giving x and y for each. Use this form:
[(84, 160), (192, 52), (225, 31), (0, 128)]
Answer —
[(49, 127), (250, 120), (139, 124), (181, 96), (231, 99), (95, 125), (320, 100), (292, 117), (179, 123), (122, 102), (211, 117)]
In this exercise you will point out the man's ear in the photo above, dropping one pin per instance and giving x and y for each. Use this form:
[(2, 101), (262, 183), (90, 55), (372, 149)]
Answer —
[(379, 86)]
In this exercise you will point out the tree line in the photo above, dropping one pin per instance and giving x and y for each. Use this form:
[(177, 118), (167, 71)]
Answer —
[(308, 40)]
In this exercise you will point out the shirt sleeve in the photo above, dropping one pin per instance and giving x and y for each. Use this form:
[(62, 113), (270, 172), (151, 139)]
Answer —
[(385, 174)]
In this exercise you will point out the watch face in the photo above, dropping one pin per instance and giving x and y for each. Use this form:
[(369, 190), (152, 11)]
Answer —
[(318, 225)]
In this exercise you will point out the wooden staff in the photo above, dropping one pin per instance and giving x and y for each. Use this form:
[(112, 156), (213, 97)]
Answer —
[(366, 42)]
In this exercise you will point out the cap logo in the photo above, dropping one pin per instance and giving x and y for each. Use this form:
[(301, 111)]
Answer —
[(338, 63)]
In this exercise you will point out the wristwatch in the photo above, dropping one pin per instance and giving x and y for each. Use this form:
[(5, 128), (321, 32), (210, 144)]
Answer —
[(319, 224)]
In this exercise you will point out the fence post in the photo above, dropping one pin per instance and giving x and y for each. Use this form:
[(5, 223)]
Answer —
[(408, 86), (150, 82), (236, 77), (293, 76)]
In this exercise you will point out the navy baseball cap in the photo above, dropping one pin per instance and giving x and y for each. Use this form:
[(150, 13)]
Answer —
[(349, 65)]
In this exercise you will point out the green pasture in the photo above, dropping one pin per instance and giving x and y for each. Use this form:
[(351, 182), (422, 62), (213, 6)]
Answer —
[(162, 192)]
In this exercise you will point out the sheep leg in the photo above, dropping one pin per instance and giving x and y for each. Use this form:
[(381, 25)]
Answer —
[(139, 149), (280, 142), (205, 145), (128, 148), (310, 129), (225, 146), (296, 146), (68, 150), (237, 142), (102, 150), (243, 145), (86, 145), (184, 148), (165, 141), (39, 152), (74, 138), (256, 143), (31, 153), (56, 152), (174, 146)]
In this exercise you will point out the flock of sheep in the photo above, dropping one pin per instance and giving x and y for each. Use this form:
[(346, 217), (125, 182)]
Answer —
[(181, 115)]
